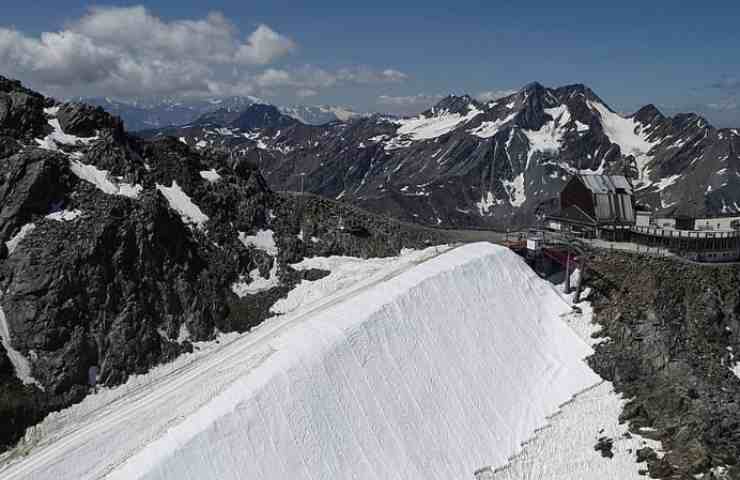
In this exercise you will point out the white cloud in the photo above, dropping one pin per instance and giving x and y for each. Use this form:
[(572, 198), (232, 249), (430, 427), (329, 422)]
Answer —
[(312, 77), (365, 75), (129, 51), (492, 95), (264, 45), (306, 92)]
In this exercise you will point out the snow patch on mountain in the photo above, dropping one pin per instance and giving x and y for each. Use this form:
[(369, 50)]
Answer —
[(434, 126), (181, 203), (13, 243), (550, 136), (264, 240), (515, 188), (667, 182), (490, 128), (64, 215), (486, 203), (102, 180), (17, 359), (629, 134), (58, 137), (210, 175)]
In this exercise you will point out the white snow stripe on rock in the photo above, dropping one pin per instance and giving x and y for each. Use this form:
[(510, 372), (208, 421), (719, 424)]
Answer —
[(20, 363), (102, 180), (64, 215), (210, 175), (13, 243), (58, 137), (491, 128), (182, 204)]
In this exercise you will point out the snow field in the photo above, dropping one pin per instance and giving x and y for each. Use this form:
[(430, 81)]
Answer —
[(564, 449), (431, 374), (422, 366), (440, 123), (89, 439)]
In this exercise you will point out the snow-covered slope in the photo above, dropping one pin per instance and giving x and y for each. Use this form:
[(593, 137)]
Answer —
[(564, 450), (443, 368)]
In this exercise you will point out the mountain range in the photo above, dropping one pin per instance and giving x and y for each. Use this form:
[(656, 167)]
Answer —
[(157, 112), (464, 163)]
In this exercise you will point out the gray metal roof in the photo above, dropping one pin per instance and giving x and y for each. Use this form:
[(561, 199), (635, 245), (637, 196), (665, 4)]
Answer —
[(606, 183)]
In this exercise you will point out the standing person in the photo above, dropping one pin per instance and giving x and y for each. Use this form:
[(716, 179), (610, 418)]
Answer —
[(92, 378)]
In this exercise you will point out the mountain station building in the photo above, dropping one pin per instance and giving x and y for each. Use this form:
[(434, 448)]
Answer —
[(595, 206)]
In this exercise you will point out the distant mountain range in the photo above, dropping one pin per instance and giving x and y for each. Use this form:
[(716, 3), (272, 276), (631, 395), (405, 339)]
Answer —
[(467, 163), (145, 114)]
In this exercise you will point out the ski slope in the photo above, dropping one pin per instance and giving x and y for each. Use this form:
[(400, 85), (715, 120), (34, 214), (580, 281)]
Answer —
[(429, 368)]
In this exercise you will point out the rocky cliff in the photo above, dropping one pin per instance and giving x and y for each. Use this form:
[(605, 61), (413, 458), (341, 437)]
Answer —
[(120, 252), (671, 334)]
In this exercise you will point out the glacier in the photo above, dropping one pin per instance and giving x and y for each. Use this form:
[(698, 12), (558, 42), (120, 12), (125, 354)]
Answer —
[(429, 369)]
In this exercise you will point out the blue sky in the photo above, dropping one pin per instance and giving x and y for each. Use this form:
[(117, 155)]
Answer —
[(398, 56)]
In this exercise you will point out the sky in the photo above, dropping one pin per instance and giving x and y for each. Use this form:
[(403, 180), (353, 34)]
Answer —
[(395, 57)]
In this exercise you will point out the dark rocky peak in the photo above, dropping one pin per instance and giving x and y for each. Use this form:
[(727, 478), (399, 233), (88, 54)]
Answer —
[(576, 92), (261, 116), (684, 121), (87, 121), (453, 104), (649, 115), (8, 85), (532, 89), (171, 160), (21, 111), (533, 99)]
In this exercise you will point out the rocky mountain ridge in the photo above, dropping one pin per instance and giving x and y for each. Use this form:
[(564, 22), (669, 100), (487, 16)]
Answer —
[(120, 252), (496, 164)]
